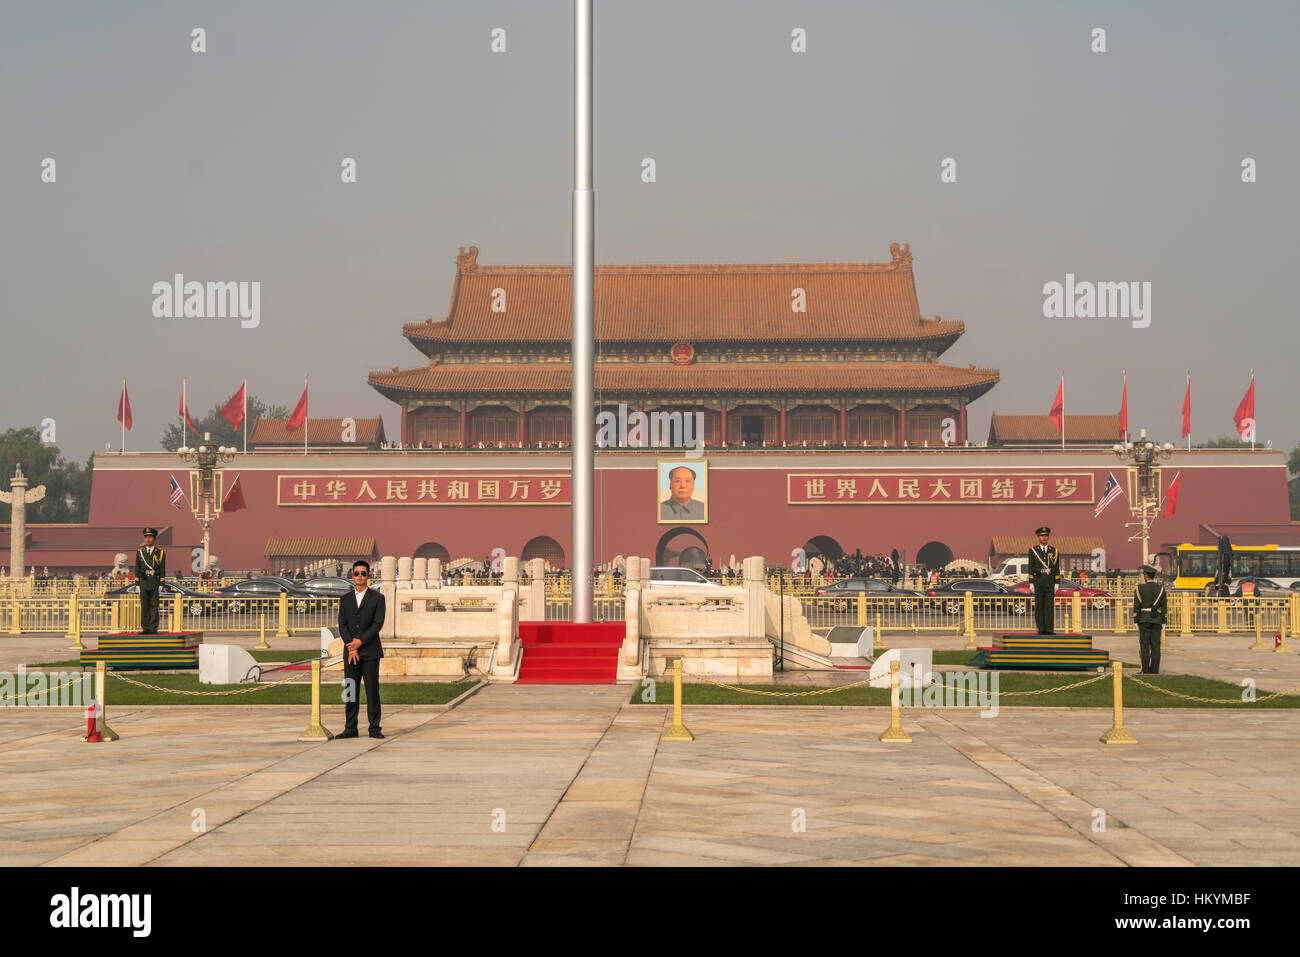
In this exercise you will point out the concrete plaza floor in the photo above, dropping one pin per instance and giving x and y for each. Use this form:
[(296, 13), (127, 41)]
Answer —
[(553, 775)]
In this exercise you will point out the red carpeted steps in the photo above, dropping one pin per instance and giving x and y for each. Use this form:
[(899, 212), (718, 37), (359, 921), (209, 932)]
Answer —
[(561, 652)]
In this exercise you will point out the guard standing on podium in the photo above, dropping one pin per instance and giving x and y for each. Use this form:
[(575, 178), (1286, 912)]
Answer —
[(1044, 573), (150, 569), (1150, 611)]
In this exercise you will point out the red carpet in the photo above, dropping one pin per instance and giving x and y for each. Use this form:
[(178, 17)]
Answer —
[(564, 653)]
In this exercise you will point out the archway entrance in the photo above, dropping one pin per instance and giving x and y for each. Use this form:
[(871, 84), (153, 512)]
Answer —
[(824, 546), (543, 546), (433, 550), (934, 555), (683, 546)]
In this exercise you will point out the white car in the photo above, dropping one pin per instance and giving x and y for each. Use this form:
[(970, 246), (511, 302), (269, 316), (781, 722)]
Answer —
[(673, 575), (1012, 570)]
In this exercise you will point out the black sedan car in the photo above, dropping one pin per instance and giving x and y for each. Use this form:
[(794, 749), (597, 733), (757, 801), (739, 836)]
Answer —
[(167, 590), (949, 596), (843, 593), (267, 586), (326, 587)]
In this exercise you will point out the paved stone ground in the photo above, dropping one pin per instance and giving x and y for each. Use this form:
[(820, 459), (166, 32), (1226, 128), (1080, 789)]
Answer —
[(554, 775)]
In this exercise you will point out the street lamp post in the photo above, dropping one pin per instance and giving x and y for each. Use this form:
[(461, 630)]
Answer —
[(1143, 483), (205, 483)]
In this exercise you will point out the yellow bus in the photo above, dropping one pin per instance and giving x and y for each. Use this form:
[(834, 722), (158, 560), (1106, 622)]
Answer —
[(1197, 564)]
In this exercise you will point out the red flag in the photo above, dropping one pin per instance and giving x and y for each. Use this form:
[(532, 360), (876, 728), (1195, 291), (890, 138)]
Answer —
[(124, 407), (233, 411), (299, 415), (234, 499), (185, 413), (1187, 408), (1058, 408), (1123, 411), (1245, 414), (1172, 497)]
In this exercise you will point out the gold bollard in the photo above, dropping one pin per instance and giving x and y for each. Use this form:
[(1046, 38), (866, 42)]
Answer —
[(1281, 634), (282, 612), (678, 731), (261, 634), (1118, 734), (1186, 631), (101, 719), (895, 732), (315, 731), (878, 642), (1259, 637), (74, 624), (968, 620)]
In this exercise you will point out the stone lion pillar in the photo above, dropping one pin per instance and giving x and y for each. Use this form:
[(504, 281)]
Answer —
[(18, 496)]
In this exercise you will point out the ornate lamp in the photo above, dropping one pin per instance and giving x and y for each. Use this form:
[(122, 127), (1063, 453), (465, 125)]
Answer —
[(205, 483), (1144, 479)]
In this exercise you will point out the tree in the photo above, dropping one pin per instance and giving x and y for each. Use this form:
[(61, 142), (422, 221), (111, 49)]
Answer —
[(67, 484), (1226, 442), (222, 434)]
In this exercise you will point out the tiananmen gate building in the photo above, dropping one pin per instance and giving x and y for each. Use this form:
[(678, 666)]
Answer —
[(827, 423)]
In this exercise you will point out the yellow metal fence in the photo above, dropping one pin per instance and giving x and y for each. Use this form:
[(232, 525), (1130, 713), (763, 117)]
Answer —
[(75, 616), (1189, 614)]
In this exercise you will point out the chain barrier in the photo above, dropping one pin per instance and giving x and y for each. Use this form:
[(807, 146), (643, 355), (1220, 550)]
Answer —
[(206, 694), (831, 690), (1190, 697), (48, 691)]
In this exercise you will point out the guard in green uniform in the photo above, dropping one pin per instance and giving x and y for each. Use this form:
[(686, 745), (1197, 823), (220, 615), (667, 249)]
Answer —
[(1044, 573), (1150, 611), (150, 569)]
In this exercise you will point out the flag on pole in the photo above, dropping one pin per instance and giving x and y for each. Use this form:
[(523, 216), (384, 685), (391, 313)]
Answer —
[(185, 412), (234, 499), (1123, 409), (1111, 492), (176, 493), (1058, 408), (124, 407), (233, 411), (1171, 498), (1187, 408), (1244, 417), (299, 415)]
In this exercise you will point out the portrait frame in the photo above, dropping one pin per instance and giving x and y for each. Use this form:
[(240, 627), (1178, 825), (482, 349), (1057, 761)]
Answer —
[(700, 492)]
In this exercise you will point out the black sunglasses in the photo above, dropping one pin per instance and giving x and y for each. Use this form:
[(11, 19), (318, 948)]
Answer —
[(360, 574)]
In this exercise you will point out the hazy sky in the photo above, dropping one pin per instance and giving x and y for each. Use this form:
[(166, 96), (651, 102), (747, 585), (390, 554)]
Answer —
[(225, 165)]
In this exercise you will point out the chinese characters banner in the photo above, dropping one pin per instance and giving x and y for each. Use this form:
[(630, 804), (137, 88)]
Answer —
[(422, 489), (935, 488)]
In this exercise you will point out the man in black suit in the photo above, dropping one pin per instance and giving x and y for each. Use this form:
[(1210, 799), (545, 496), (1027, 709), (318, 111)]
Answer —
[(361, 616)]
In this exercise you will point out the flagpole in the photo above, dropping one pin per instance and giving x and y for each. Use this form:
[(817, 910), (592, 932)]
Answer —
[(1125, 405), (582, 464), (1062, 410), (306, 417), (1253, 427), (121, 407), (183, 411), (1189, 411), (245, 415)]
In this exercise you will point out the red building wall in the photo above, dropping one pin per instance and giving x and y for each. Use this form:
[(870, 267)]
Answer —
[(749, 512)]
